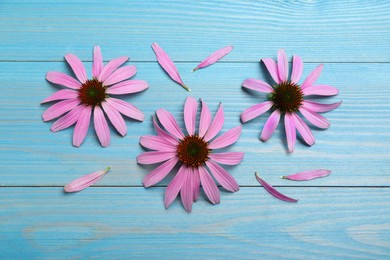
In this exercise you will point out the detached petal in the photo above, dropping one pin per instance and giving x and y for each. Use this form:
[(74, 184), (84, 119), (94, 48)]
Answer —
[(155, 157), (303, 129), (85, 181), (205, 119), (255, 111), (274, 192), (82, 125), (297, 69), (169, 123), (291, 134), (187, 191), (312, 78), (318, 107), (223, 177), (77, 67), (59, 109), (101, 126), (126, 109), (174, 186), (320, 90), (214, 57), (62, 79), (61, 95), (97, 64), (209, 186), (272, 68), (228, 138), (308, 175), (229, 158), (216, 125), (120, 75), (257, 85), (270, 126), (128, 87), (282, 65), (159, 173), (111, 67), (190, 109), (314, 118)]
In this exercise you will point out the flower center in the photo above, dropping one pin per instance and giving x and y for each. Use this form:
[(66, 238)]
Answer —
[(193, 151), (287, 97), (92, 92)]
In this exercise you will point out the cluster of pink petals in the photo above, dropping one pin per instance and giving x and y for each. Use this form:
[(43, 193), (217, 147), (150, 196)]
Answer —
[(187, 181), (72, 111), (292, 121)]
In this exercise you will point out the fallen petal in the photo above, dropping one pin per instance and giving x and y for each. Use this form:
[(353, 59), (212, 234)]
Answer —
[(307, 175), (85, 181), (214, 57), (273, 191)]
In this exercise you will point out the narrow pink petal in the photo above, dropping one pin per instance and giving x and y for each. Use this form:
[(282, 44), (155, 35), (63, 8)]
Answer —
[(62, 79), (303, 129), (272, 69), (85, 181), (314, 118), (312, 78), (167, 64), (273, 191), (175, 186), (196, 184), (155, 157), (297, 69), (291, 134), (167, 136), (320, 90), (160, 172), (282, 65), (257, 85), (169, 123), (82, 125), (111, 67), (308, 175), (270, 126), (115, 118), (255, 111), (223, 177), (205, 119), (228, 138), (77, 66), (216, 125), (190, 109), (214, 57), (128, 87), (67, 120), (120, 74), (209, 186), (97, 64), (318, 107), (187, 191), (126, 109), (59, 109), (61, 95), (101, 127), (229, 158), (156, 143)]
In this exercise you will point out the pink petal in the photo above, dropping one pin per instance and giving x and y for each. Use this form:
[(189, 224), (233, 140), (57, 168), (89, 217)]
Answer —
[(101, 127), (255, 111), (111, 67), (167, 64), (167, 137), (115, 118), (274, 192), (82, 125), (314, 118), (157, 143), (120, 75), (169, 123), (175, 186), (307, 175), (223, 177), (282, 65), (303, 129), (61, 94), (67, 120), (160, 172), (205, 119), (128, 87), (214, 57), (270, 126), (186, 191), (97, 64), (190, 109), (62, 79), (126, 109), (85, 181), (257, 85), (317, 107), (77, 67), (291, 134), (297, 69), (155, 157), (196, 183), (209, 186), (272, 68), (228, 138), (229, 158), (320, 90), (59, 109), (216, 125), (312, 78)]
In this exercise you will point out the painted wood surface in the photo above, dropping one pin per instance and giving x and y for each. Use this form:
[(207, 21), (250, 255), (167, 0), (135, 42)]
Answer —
[(345, 215)]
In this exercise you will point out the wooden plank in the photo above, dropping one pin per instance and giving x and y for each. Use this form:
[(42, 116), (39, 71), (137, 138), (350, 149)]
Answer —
[(327, 223), (355, 147), (320, 31)]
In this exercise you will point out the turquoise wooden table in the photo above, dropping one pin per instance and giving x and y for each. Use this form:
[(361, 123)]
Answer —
[(345, 215)]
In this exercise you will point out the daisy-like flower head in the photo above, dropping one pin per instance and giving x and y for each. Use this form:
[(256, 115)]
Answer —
[(83, 96), (195, 152), (288, 98)]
